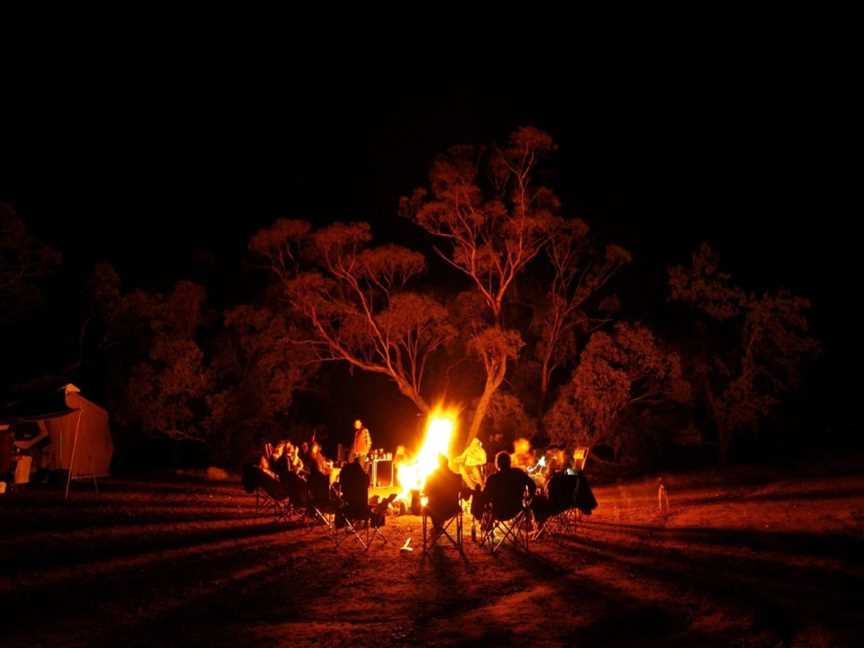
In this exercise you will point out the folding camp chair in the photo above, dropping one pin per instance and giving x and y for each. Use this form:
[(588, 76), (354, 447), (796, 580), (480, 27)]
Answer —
[(497, 531), (568, 495), (378, 518), (352, 522), (362, 524), (453, 525), (322, 501), (564, 523), (271, 496), (325, 515), (268, 503)]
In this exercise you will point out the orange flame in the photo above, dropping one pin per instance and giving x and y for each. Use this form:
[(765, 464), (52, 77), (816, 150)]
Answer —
[(440, 432)]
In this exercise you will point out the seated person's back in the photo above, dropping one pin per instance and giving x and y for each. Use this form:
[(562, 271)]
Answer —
[(560, 489), (442, 488), (505, 489), (295, 486), (319, 487), (355, 486)]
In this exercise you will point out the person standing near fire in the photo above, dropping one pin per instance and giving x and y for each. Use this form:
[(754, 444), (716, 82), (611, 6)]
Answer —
[(470, 462), (362, 442), (523, 455)]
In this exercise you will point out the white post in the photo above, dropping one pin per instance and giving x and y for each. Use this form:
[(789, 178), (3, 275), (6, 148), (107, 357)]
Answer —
[(72, 458)]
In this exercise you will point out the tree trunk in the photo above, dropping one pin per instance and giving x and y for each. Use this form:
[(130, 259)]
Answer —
[(541, 404), (544, 391), (407, 391), (493, 382), (480, 412), (724, 434)]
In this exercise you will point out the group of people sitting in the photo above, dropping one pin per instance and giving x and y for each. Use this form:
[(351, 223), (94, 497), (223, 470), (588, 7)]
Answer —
[(285, 470), (285, 459), (473, 461), (547, 485), (303, 476), (521, 480)]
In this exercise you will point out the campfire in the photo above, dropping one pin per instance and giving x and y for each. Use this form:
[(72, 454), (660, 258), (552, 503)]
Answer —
[(440, 432)]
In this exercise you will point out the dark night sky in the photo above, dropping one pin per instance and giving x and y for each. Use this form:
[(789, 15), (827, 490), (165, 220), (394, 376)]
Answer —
[(145, 168)]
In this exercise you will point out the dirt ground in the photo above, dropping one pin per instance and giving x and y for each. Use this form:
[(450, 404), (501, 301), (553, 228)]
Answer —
[(750, 557)]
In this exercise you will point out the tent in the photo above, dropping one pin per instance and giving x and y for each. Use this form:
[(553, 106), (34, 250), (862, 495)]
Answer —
[(64, 430)]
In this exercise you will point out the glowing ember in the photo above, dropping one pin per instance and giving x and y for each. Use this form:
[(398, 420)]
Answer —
[(440, 430)]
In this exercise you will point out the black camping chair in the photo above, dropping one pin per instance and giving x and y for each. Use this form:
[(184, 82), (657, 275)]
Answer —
[(352, 521), (362, 523), (271, 497), (568, 498), (322, 502), (507, 522), (276, 497), (554, 512), (378, 518), (353, 513), (450, 528)]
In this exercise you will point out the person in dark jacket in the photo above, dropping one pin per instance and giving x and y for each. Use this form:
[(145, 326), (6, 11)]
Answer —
[(355, 485), (506, 488), (443, 488)]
